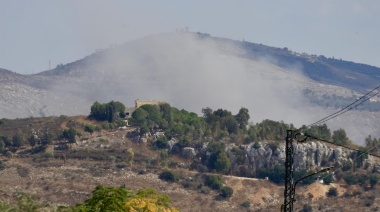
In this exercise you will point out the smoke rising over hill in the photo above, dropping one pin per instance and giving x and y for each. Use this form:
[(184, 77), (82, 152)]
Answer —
[(189, 71)]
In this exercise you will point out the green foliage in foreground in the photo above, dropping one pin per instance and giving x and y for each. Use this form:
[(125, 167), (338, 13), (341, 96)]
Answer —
[(24, 202), (120, 199), (102, 199)]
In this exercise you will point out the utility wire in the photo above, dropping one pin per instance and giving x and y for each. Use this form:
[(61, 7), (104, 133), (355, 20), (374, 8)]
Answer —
[(342, 112), (330, 142), (362, 153), (351, 106)]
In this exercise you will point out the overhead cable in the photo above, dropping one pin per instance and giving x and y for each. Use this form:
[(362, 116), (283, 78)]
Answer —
[(351, 106), (330, 142), (362, 152)]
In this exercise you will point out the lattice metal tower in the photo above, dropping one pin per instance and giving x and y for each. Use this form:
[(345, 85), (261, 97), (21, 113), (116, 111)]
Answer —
[(289, 181)]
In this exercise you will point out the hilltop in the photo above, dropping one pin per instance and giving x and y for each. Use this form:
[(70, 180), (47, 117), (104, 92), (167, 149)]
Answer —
[(196, 70)]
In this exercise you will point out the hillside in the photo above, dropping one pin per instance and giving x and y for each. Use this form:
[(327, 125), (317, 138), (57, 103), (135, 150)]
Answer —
[(59, 176), (194, 71)]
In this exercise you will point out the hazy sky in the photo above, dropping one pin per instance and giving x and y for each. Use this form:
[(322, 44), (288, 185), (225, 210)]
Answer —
[(62, 31)]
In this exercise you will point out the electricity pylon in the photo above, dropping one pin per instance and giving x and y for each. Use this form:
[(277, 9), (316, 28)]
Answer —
[(290, 185), (289, 181)]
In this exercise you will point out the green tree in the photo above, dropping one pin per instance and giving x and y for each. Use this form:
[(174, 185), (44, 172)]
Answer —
[(106, 199), (161, 143), (89, 128), (213, 181), (373, 179), (46, 138), (168, 176), (350, 179), (154, 115), (32, 141), (166, 112), (329, 178), (143, 129), (139, 116), (107, 112), (226, 192), (121, 199), (222, 163), (25, 202), (340, 137), (130, 156), (307, 208), (149, 200), (333, 192), (373, 144), (2, 146), (275, 174), (230, 124), (242, 118), (17, 140), (69, 135), (98, 111), (6, 140)]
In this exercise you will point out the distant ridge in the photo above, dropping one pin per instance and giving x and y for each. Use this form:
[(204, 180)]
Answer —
[(356, 76)]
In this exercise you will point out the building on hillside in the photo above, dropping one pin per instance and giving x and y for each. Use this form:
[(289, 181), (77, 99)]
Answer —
[(140, 102)]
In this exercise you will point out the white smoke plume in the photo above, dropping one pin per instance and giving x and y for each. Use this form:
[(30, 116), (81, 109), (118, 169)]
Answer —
[(190, 72)]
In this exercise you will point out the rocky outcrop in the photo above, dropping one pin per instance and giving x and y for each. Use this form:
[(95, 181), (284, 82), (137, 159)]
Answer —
[(188, 152), (309, 155)]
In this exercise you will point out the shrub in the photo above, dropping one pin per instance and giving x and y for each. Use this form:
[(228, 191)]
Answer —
[(8, 154), (328, 179), (346, 167), (333, 192), (214, 182), (168, 176), (373, 179), (307, 208), (161, 143), (18, 140), (89, 128), (275, 174), (226, 192), (350, 179), (245, 204), (130, 155), (273, 145), (256, 145), (2, 165), (362, 179)]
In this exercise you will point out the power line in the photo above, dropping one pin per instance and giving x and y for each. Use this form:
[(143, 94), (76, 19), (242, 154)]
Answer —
[(330, 142), (363, 153), (351, 106), (354, 159)]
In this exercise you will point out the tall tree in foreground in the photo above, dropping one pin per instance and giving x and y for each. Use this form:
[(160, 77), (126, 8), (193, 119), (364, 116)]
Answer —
[(120, 199)]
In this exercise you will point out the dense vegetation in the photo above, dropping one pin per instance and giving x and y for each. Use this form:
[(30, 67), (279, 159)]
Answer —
[(110, 112), (220, 127), (168, 127)]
